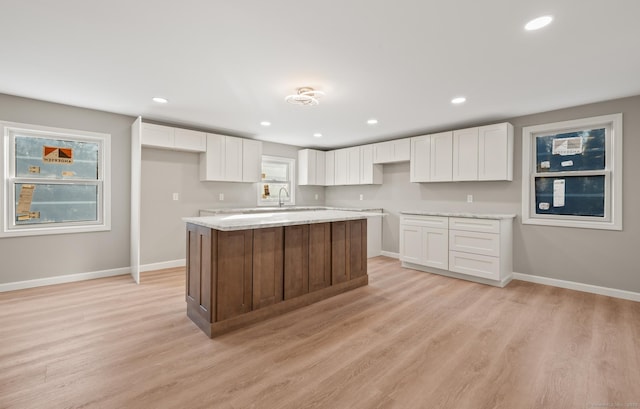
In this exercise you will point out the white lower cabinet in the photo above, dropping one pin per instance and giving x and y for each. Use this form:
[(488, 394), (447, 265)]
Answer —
[(475, 247)]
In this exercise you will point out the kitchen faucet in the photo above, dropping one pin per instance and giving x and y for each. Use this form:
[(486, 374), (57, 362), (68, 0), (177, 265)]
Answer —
[(280, 202)]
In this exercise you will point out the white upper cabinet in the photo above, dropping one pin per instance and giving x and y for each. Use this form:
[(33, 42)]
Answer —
[(495, 152), (481, 153), (370, 174), (392, 151), (251, 160), (465, 154), (311, 167), (230, 159), (353, 165), (329, 168), (167, 137), (341, 167)]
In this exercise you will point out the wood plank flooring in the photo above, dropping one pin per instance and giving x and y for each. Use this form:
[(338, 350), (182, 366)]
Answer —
[(407, 340)]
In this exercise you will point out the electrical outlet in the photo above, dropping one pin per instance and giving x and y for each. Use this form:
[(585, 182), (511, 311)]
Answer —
[(221, 196), (316, 196), (176, 196), (469, 198), (361, 196)]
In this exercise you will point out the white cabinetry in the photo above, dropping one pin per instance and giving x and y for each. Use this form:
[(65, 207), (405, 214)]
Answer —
[(230, 159), (370, 174), (329, 168), (167, 137), (424, 240), (392, 151), (465, 154), (495, 152), (474, 248), (311, 167), (341, 167), (353, 165), (431, 158)]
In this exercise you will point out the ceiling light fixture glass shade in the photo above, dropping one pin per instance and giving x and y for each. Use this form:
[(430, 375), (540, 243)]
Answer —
[(538, 23), (305, 96)]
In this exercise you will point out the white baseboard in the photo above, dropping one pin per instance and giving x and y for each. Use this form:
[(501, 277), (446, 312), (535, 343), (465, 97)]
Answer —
[(572, 285), (163, 264), (69, 278), (390, 254)]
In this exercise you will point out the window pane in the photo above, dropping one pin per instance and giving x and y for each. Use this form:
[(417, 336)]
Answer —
[(270, 192), (56, 158), (55, 203), (571, 196), (581, 150), (275, 171)]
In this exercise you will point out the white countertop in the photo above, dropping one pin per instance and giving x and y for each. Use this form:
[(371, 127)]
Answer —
[(459, 214), (258, 220), (267, 209)]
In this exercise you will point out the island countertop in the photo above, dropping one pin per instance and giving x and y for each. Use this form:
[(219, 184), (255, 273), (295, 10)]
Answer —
[(230, 222)]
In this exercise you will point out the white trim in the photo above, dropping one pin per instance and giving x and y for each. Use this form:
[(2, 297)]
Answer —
[(390, 254), (613, 203), (69, 278), (163, 264), (452, 274), (572, 285)]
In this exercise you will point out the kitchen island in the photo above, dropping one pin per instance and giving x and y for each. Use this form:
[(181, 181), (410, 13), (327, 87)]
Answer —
[(244, 268)]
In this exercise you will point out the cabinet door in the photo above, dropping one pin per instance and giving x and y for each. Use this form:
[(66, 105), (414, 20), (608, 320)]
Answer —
[(383, 152), (341, 167), (369, 173), (306, 160), (296, 260), (420, 164), (495, 152), (157, 136), (233, 164), (212, 162), (319, 169), (190, 141), (356, 248), (201, 271), (251, 160), (410, 243), (329, 168), (435, 248), (401, 150), (465, 154), (268, 266), (319, 256), (339, 272), (441, 155), (234, 273), (353, 165)]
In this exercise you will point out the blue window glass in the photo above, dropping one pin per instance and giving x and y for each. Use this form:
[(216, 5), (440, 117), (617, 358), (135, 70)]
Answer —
[(582, 196), (55, 203), (55, 158), (571, 151)]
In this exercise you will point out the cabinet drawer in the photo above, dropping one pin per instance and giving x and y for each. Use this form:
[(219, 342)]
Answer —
[(487, 244), (426, 221), (474, 265), (471, 224)]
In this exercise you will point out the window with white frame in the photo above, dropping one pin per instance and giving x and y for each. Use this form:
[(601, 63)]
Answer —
[(55, 181), (572, 173), (277, 185)]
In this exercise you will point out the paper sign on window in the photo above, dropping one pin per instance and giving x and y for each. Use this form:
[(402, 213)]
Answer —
[(558, 192), (53, 154), (567, 146)]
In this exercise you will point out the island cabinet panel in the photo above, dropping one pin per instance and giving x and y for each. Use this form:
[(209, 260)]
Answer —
[(296, 261), (356, 248), (200, 297), (267, 266), (234, 265), (319, 256), (348, 250)]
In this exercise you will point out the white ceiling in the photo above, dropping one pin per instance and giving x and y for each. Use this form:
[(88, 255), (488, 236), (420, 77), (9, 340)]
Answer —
[(227, 65)]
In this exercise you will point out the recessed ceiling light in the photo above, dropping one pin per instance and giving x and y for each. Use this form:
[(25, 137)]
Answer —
[(372, 121), (317, 135), (538, 23), (458, 100), (265, 123), (160, 100)]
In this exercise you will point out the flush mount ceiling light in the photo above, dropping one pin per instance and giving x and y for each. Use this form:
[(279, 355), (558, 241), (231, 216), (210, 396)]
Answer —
[(305, 96), (538, 23), (458, 100), (160, 100)]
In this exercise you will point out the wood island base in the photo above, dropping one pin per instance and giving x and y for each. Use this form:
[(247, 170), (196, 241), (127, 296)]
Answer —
[(240, 277)]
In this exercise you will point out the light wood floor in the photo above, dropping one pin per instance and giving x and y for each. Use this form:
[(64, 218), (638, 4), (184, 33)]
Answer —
[(408, 340)]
